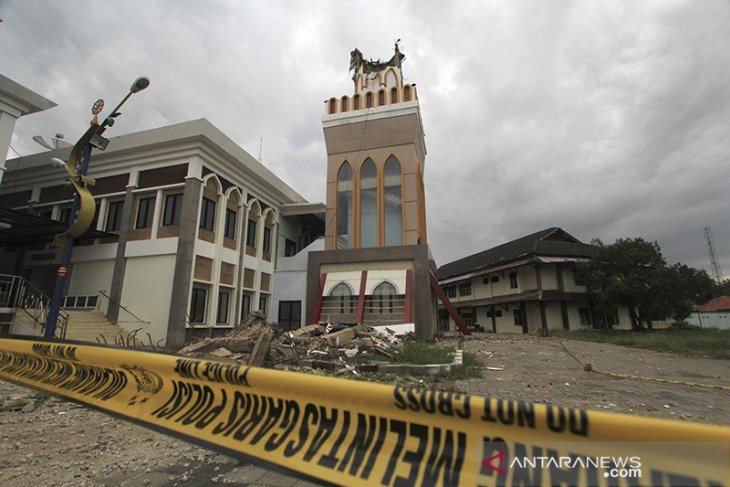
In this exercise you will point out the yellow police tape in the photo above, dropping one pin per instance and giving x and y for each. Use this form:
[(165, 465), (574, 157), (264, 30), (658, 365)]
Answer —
[(354, 433)]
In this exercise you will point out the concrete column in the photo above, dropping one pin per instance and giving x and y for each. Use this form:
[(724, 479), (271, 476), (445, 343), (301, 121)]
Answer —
[(184, 262), (120, 261), (241, 248)]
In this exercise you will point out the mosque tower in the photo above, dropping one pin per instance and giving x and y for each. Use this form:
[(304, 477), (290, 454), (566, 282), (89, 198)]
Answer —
[(376, 267)]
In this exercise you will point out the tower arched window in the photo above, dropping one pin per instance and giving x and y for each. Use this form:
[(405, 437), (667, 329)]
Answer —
[(369, 100), (333, 106), (407, 93), (393, 95), (392, 202), (381, 98), (368, 205), (356, 102), (384, 298), (343, 210), (343, 104)]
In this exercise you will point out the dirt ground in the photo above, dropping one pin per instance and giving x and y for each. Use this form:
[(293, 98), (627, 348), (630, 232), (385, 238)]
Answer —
[(47, 441)]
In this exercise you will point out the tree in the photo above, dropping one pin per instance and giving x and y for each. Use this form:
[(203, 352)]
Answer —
[(633, 273)]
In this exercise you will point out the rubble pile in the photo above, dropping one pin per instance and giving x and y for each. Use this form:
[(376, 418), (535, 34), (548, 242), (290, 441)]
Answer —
[(323, 346)]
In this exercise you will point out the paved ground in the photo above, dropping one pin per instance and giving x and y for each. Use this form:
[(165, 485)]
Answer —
[(49, 442)]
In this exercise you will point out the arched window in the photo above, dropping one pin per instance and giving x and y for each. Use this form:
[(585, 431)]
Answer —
[(407, 93), (384, 297), (344, 293), (343, 104), (356, 102), (381, 98), (392, 202), (369, 100), (333, 106), (343, 228), (394, 95), (368, 205)]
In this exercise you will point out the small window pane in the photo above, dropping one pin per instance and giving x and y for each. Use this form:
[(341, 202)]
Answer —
[(251, 233), (144, 213), (230, 230), (173, 206), (114, 216)]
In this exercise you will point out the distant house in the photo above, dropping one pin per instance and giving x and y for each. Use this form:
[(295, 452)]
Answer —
[(713, 314), (524, 285)]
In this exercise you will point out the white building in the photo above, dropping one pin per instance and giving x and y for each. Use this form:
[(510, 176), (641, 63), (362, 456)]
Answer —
[(189, 229)]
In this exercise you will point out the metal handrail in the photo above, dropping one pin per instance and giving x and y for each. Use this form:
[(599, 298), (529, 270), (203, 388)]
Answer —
[(123, 307), (23, 295)]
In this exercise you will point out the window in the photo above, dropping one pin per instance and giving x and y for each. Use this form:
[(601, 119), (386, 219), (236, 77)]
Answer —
[(333, 106), (369, 100), (245, 307), (290, 248), (578, 279), (407, 93), (585, 316), (267, 240), (513, 284), (394, 95), (197, 305), (64, 215), (114, 216), (343, 291), (207, 214), (251, 233), (144, 213), (381, 98), (263, 303), (451, 291), (392, 202), (343, 225), (343, 104), (290, 314), (494, 279), (222, 314), (497, 313), (173, 207), (465, 289), (230, 228), (384, 297), (356, 102), (517, 317), (368, 205)]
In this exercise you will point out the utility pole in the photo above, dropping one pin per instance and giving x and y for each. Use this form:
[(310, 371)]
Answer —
[(714, 263)]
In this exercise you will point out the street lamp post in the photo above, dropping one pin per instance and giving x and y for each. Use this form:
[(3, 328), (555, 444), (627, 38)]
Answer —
[(84, 206)]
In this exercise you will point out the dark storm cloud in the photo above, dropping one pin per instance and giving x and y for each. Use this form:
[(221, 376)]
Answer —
[(609, 119)]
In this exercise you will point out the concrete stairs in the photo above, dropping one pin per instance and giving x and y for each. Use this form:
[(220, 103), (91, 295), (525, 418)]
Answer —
[(87, 326)]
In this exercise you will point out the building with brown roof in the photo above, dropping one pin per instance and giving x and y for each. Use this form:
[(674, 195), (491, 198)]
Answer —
[(525, 285)]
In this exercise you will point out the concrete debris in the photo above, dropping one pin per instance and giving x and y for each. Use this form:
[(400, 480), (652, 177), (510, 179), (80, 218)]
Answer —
[(317, 346)]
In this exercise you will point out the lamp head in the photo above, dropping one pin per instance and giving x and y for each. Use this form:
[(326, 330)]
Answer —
[(56, 162), (139, 84)]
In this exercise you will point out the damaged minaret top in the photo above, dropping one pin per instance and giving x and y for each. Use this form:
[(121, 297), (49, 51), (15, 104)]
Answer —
[(360, 66), (377, 84)]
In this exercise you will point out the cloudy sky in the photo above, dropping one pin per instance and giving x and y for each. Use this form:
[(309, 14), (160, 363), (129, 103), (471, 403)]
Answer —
[(608, 119)]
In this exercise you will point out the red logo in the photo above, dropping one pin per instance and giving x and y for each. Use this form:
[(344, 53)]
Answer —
[(488, 462)]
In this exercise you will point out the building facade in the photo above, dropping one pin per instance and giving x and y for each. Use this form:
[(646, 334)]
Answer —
[(375, 265), (192, 227), (526, 285)]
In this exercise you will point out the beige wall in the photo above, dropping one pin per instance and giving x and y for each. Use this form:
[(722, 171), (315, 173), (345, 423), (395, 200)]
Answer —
[(147, 292), (88, 278)]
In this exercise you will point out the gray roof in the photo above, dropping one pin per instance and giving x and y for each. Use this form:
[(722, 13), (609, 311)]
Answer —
[(552, 241)]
